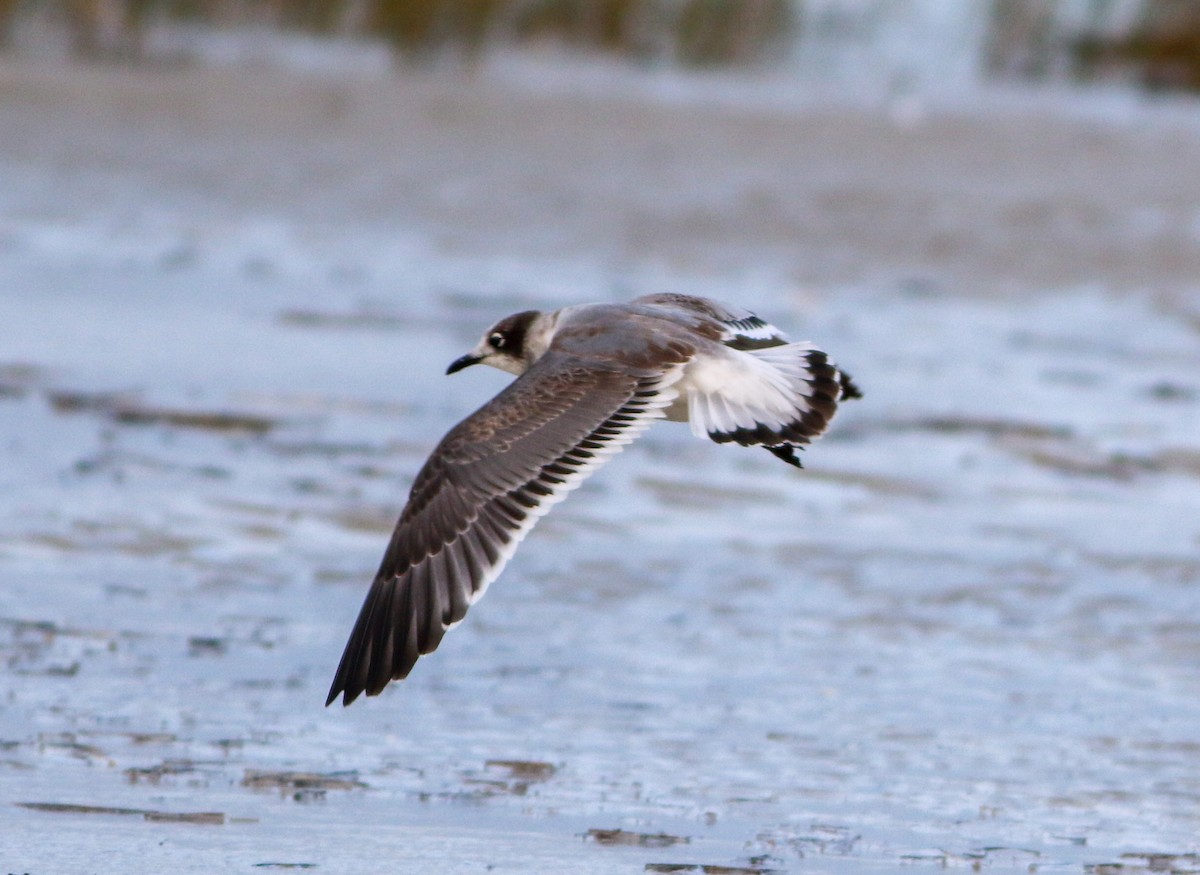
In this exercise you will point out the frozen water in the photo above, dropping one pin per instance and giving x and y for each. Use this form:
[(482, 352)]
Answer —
[(965, 636)]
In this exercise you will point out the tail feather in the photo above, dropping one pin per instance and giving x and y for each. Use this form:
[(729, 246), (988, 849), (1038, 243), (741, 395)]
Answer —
[(849, 387), (783, 401)]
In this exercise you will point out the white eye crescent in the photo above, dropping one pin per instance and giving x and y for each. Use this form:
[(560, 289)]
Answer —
[(496, 340)]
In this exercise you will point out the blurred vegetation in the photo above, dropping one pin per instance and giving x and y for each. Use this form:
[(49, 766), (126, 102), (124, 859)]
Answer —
[(1162, 50), (688, 31), (8, 11), (1154, 42)]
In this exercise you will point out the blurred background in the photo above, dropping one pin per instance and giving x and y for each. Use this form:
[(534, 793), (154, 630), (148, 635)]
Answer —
[(241, 241), (1149, 42)]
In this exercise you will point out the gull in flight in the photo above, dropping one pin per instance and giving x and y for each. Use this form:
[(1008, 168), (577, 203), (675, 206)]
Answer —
[(590, 379)]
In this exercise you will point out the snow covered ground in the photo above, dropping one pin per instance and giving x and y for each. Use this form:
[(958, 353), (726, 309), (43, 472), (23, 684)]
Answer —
[(967, 635)]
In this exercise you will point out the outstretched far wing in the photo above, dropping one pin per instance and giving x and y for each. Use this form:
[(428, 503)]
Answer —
[(740, 329), (480, 492)]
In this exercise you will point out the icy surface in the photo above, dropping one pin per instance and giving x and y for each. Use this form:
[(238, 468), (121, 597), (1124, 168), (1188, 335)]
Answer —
[(967, 635)]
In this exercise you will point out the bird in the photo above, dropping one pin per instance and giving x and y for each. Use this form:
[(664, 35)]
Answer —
[(590, 379)]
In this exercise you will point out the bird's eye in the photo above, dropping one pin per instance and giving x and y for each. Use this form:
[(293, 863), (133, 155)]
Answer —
[(496, 341)]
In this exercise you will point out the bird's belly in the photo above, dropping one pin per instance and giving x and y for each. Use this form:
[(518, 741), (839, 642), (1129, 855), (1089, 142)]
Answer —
[(705, 373), (678, 411)]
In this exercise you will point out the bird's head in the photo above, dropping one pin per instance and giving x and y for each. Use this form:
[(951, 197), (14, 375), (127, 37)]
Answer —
[(512, 344)]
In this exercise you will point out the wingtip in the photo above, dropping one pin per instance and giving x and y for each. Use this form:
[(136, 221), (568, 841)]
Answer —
[(347, 697), (849, 387), (341, 686)]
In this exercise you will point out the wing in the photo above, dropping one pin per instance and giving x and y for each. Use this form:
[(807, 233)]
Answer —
[(739, 329), (480, 492)]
